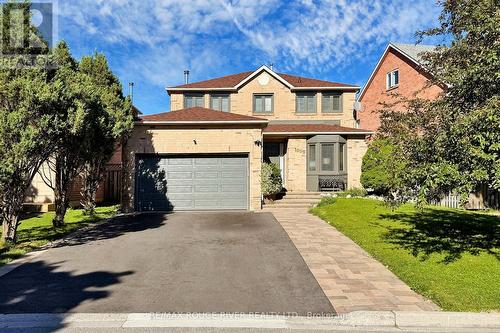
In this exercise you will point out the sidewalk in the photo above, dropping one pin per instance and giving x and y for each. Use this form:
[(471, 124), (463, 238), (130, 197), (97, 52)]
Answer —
[(351, 279), (385, 321)]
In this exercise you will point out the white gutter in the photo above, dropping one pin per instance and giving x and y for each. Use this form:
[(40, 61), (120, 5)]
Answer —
[(326, 88), (199, 122), (201, 89), (316, 133), (235, 89)]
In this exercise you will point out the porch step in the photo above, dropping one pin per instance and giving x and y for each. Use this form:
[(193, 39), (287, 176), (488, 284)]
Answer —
[(298, 200), (308, 195), (285, 206)]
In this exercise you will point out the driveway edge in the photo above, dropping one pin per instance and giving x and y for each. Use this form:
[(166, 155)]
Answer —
[(397, 320), (28, 257)]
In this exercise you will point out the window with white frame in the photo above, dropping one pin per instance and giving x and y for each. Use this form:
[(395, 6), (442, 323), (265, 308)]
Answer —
[(392, 79)]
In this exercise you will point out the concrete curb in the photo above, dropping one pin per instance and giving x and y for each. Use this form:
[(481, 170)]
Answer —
[(391, 320)]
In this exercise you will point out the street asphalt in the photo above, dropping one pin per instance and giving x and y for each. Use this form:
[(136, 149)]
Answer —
[(180, 262)]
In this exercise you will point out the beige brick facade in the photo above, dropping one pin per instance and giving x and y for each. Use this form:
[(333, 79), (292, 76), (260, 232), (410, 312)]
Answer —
[(241, 102), (296, 165), (168, 140), (356, 149), (284, 109)]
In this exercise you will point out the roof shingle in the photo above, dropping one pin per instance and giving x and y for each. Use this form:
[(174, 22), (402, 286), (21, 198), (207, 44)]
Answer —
[(230, 81), (312, 128), (198, 114)]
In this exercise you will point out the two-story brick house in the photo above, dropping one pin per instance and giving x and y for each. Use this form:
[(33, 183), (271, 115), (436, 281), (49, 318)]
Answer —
[(399, 71), (206, 153)]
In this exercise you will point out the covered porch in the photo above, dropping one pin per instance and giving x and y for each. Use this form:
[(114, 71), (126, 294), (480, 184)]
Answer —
[(315, 157)]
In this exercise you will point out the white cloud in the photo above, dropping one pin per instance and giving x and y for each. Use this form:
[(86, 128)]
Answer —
[(303, 36)]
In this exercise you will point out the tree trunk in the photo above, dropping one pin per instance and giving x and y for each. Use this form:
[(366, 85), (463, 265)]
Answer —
[(63, 175), (10, 221), (92, 177), (89, 203)]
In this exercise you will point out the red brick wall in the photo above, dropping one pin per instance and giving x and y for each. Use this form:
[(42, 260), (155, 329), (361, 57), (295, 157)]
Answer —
[(411, 80), (117, 156)]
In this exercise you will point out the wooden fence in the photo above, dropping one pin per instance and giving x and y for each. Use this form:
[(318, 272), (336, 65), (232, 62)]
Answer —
[(483, 198), (113, 184)]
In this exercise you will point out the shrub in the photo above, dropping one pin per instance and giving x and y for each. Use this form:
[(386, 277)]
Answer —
[(271, 179), (378, 168), (353, 192), (326, 201)]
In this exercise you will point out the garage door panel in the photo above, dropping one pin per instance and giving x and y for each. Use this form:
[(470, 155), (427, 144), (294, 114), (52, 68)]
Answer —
[(206, 161), (192, 183), (179, 175), (179, 161), (174, 189), (234, 188), (201, 175), (206, 189), (182, 204)]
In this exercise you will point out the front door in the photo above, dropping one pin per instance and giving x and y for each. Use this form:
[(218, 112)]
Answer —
[(274, 152)]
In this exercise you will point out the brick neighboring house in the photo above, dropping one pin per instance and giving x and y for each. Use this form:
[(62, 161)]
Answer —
[(399, 70), (206, 153)]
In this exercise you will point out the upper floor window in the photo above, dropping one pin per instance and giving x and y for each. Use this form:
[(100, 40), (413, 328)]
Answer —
[(263, 103), (219, 102), (331, 103), (306, 103), (392, 79), (192, 100)]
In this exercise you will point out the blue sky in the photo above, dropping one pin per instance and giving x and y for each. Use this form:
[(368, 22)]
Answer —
[(151, 42)]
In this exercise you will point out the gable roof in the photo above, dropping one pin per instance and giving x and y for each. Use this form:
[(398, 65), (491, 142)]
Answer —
[(199, 115), (233, 82), (311, 129), (414, 52), (410, 51)]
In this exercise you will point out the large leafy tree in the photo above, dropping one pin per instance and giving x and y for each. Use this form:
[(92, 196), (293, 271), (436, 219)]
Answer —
[(26, 116), (111, 120), (453, 142)]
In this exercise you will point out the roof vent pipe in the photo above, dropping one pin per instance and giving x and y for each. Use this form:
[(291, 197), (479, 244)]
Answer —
[(186, 76), (271, 65), (131, 91)]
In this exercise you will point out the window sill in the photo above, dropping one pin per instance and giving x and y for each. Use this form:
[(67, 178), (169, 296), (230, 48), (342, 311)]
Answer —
[(306, 113), (263, 113), (392, 88)]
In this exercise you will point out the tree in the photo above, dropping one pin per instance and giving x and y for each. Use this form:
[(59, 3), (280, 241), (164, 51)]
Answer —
[(111, 120), (26, 112), (71, 107), (453, 142)]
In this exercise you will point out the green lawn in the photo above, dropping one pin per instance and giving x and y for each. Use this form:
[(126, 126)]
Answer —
[(449, 256), (37, 231)]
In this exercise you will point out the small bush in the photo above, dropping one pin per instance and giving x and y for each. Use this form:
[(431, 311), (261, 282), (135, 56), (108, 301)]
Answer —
[(326, 201), (271, 182), (379, 167), (353, 192)]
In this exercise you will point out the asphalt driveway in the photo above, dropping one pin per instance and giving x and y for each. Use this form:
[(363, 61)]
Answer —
[(181, 262)]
